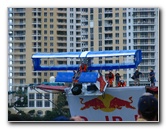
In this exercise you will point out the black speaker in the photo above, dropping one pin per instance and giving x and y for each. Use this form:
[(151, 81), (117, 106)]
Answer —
[(77, 89)]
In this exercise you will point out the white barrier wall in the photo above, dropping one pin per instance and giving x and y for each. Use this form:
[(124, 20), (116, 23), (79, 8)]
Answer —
[(118, 104)]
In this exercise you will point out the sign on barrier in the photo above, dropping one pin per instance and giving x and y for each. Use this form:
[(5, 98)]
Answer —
[(117, 104)]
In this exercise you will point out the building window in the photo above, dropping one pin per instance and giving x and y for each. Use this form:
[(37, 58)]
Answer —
[(51, 38), (51, 44), (100, 48), (51, 14), (91, 44), (45, 19), (124, 48), (46, 103), (116, 21), (100, 16), (45, 74), (100, 43), (45, 26), (45, 14), (45, 49), (124, 34), (117, 61), (100, 23), (51, 20), (117, 28), (124, 21), (100, 29), (45, 31), (45, 62), (45, 37), (51, 32), (117, 41), (124, 41), (124, 27), (51, 26), (47, 96), (38, 95), (124, 14), (51, 73), (116, 48), (31, 104), (91, 10), (100, 10), (116, 35), (45, 44), (51, 50), (31, 96), (38, 103), (116, 14)]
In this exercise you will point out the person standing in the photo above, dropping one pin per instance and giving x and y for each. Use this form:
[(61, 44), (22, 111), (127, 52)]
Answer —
[(152, 77), (110, 79), (117, 78), (136, 77)]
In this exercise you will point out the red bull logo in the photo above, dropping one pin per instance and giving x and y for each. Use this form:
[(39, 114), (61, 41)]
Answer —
[(107, 104)]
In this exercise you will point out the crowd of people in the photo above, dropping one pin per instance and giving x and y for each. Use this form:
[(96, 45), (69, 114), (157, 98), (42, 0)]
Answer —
[(151, 77)]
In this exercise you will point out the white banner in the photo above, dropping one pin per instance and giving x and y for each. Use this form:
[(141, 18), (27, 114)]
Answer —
[(117, 104)]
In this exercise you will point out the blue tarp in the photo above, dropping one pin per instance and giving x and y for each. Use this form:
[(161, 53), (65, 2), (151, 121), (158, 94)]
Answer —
[(88, 77), (64, 77)]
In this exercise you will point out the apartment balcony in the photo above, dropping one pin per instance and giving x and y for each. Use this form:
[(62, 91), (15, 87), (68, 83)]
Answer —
[(108, 38), (61, 10), (136, 16), (144, 30), (62, 22), (19, 27), (84, 12), (143, 37), (143, 9), (84, 33), (17, 23), (148, 50), (148, 57), (143, 23), (18, 15), (61, 28), (19, 10), (144, 44), (108, 10), (18, 64), (18, 59), (64, 16), (17, 71), (61, 46), (78, 29), (36, 10)]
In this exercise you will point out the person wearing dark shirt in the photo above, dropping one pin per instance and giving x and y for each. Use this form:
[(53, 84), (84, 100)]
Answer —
[(152, 77), (117, 77), (136, 77), (147, 108)]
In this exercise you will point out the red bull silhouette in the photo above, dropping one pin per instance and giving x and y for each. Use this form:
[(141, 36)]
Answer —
[(94, 103), (107, 104), (119, 103)]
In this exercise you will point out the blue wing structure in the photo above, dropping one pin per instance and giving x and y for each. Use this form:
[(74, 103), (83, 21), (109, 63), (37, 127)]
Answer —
[(88, 54)]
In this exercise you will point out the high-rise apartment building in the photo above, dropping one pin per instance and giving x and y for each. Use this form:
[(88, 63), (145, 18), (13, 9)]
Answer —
[(34, 30)]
